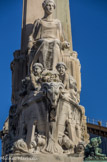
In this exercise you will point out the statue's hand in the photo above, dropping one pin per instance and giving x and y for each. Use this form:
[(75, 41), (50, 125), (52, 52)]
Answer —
[(30, 44), (66, 45)]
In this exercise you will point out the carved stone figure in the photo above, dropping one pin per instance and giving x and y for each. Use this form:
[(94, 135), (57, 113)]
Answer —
[(47, 40), (31, 84), (45, 118), (93, 152), (80, 149), (36, 75), (37, 111), (75, 69), (68, 81), (20, 147)]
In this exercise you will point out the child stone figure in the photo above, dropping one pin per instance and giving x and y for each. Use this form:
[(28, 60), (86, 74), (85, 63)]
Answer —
[(34, 84), (68, 81), (36, 75)]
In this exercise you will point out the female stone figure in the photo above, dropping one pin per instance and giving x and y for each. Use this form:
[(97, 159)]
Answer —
[(47, 40)]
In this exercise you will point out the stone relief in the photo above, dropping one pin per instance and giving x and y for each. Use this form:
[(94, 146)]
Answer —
[(46, 117)]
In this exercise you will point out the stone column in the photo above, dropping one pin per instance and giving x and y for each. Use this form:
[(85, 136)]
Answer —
[(32, 10)]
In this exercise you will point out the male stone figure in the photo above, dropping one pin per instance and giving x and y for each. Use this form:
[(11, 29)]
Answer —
[(47, 40), (68, 81)]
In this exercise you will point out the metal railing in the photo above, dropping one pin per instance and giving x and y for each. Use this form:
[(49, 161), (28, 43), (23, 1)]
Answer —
[(97, 122)]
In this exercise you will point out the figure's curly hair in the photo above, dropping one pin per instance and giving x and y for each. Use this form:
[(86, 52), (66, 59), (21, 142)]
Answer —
[(61, 63), (47, 1), (37, 64)]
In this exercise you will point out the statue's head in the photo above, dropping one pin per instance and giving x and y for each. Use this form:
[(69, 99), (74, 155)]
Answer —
[(94, 142), (99, 140), (37, 69), (49, 6), (61, 68), (80, 147)]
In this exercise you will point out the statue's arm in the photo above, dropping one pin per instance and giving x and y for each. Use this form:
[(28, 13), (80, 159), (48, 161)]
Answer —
[(64, 43), (72, 82), (33, 34), (97, 150), (62, 37), (33, 83)]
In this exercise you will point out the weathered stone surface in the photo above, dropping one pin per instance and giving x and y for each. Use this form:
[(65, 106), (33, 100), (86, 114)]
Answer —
[(44, 158), (95, 161), (45, 119)]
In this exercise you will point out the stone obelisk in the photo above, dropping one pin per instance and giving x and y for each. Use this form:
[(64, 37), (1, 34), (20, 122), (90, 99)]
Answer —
[(46, 121), (32, 10)]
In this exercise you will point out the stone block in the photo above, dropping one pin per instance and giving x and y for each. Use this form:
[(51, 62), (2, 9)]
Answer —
[(42, 158)]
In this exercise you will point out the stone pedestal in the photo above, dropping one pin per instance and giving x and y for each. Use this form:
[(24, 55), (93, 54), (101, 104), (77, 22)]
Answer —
[(42, 158), (96, 161)]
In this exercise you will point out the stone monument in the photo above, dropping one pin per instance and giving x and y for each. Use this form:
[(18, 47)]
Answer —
[(46, 121)]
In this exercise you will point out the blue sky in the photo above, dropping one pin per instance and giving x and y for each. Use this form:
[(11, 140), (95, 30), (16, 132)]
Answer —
[(89, 32)]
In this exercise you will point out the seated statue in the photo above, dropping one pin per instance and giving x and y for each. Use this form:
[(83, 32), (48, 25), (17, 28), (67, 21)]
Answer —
[(46, 41)]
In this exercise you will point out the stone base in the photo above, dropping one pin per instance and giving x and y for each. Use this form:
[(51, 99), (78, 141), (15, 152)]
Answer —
[(95, 161), (42, 158)]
